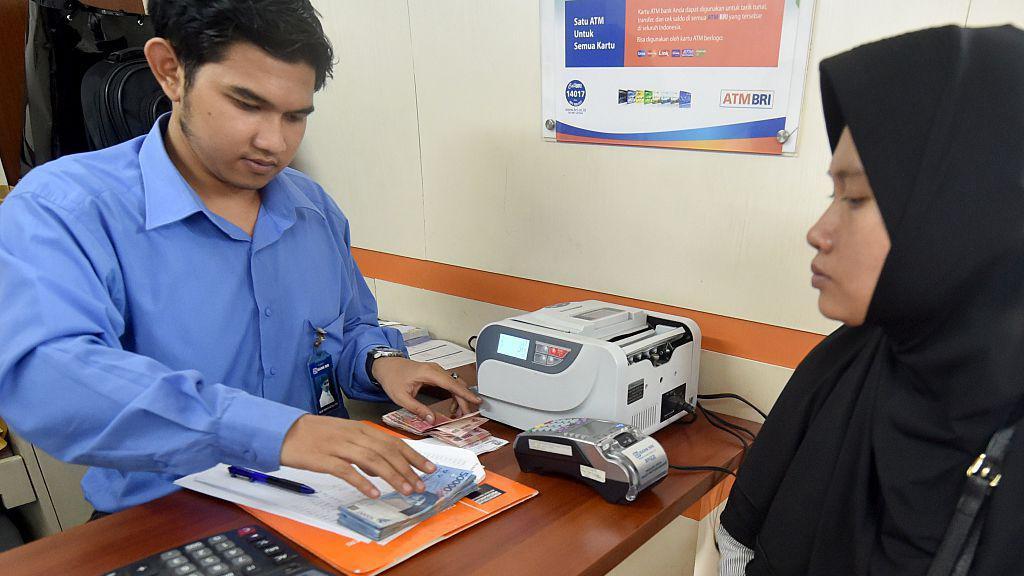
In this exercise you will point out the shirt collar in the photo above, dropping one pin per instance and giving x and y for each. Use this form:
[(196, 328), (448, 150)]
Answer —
[(281, 198), (170, 198)]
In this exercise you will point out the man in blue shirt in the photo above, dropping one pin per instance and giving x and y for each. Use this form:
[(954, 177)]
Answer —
[(180, 300)]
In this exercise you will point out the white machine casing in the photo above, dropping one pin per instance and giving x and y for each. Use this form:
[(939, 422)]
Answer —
[(589, 359)]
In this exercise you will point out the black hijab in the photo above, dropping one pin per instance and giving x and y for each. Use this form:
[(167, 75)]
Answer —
[(861, 462)]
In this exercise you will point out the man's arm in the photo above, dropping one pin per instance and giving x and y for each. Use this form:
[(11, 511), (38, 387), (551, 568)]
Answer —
[(67, 384), (400, 379), (362, 332)]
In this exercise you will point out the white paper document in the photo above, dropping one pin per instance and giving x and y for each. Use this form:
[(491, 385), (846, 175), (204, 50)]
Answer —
[(448, 455), (410, 334), (320, 509), (446, 354), (482, 447)]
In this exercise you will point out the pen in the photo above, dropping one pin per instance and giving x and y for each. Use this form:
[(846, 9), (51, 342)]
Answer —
[(254, 476)]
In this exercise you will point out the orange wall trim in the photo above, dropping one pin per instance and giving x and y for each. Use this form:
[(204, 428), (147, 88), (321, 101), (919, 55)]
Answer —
[(713, 499), (732, 336)]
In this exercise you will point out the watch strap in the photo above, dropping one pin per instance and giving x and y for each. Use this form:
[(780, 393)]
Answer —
[(380, 352)]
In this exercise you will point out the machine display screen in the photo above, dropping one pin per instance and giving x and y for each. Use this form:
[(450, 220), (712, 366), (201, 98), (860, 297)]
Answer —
[(597, 314), (513, 346)]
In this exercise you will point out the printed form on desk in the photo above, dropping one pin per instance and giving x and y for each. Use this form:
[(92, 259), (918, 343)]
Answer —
[(423, 348), (446, 354), (320, 509)]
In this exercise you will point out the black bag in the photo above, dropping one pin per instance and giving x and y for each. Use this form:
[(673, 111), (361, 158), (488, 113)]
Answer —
[(956, 552), (65, 39), (121, 99)]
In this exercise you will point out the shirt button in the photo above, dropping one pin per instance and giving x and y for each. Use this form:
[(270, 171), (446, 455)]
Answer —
[(248, 455), (267, 312), (273, 371)]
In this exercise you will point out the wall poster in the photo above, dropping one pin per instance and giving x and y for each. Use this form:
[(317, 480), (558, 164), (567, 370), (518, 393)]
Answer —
[(698, 74)]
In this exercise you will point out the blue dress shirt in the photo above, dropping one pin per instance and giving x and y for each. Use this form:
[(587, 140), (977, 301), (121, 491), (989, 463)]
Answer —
[(145, 336)]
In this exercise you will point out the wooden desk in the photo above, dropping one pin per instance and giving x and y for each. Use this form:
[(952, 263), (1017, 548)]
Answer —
[(566, 529)]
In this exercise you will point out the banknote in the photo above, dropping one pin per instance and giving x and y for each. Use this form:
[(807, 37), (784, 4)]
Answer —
[(405, 420), (393, 512), (443, 414), (463, 424), (462, 436), (489, 444)]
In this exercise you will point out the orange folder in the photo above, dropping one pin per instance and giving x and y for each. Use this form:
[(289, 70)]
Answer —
[(354, 557)]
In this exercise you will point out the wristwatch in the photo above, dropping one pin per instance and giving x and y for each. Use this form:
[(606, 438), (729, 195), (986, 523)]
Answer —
[(380, 352)]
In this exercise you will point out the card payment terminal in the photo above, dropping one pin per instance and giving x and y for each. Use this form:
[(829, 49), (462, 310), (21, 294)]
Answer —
[(615, 459)]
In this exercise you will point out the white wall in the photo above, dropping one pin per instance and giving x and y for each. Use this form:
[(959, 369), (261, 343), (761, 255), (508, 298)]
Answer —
[(996, 12), (428, 138)]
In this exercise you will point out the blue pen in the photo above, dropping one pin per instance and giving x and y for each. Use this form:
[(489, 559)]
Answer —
[(254, 476)]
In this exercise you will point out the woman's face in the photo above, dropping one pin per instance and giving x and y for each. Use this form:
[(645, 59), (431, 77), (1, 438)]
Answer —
[(850, 238)]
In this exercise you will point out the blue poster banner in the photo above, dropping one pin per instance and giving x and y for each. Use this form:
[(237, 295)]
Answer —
[(594, 33), (695, 74)]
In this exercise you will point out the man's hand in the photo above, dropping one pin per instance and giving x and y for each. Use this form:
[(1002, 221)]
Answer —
[(333, 445), (402, 379)]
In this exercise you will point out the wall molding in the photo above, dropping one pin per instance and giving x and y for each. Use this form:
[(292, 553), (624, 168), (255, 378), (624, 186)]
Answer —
[(766, 343)]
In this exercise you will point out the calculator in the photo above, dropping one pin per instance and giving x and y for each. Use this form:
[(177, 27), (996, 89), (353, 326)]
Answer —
[(239, 552)]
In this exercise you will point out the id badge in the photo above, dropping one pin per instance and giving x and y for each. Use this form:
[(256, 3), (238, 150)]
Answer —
[(326, 396)]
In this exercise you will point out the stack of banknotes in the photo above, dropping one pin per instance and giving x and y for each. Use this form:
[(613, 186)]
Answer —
[(462, 431), (391, 513)]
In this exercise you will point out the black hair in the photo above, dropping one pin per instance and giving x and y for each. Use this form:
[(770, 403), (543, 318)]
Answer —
[(202, 30)]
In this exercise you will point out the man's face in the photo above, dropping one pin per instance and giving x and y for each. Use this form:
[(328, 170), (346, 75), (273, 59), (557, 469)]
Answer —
[(244, 117)]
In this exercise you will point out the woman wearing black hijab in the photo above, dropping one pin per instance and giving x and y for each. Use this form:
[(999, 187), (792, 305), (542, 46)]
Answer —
[(861, 463)]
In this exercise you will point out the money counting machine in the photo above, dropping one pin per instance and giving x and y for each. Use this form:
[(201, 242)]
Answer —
[(588, 359)]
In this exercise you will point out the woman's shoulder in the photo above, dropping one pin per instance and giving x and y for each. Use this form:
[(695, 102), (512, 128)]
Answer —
[(823, 367)]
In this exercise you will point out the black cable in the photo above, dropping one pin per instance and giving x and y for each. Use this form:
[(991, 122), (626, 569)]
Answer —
[(716, 418), (720, 427), (691, 414), (742, 439), (734, 397), (713, 418), (702, 469), (469, 343)]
